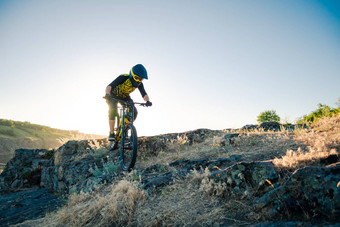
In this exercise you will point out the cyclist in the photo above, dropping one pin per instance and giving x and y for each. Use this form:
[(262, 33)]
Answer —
[(121, 88)]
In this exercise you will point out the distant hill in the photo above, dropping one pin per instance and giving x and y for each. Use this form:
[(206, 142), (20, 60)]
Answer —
[(17, 134)]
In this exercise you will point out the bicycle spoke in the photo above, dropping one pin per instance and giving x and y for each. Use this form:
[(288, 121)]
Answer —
[(129, 148)]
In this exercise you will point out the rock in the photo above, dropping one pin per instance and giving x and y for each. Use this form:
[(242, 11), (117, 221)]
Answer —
[(228, 139), (190, 137), (330, 159), (274, 126), (17, 184), (70, 168), (69, 149), (247, 178), (64, 176), (91, 184), (23, 170), (249, 127), (310, 192), (26, 205), (157, 181), (152, 146), (235, 158), (159, 175), (156, 168), (201, 163), (270, 126)]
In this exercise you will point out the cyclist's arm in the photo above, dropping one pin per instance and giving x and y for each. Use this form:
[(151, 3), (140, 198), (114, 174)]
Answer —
[(143, 92), (146, 98), (108, 90)]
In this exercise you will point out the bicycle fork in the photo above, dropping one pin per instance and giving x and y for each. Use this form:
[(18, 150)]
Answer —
[(122, 122)]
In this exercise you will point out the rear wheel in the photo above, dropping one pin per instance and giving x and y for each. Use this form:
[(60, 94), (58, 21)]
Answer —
[(128, 150)]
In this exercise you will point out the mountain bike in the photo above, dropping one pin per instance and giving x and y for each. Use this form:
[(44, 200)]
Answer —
[(126, 133)]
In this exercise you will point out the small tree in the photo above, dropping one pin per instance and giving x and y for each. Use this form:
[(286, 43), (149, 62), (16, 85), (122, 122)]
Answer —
[(268, 115)]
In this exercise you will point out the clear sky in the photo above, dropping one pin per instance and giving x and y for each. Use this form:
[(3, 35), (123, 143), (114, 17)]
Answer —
[(212, 63)]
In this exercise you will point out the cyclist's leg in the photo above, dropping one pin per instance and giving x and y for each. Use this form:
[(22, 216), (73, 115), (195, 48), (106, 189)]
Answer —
[(113, 112), (135, 110)]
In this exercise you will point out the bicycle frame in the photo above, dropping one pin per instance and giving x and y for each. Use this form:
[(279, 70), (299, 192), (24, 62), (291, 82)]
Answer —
[(122, 116), (125, 106), (126, 133)]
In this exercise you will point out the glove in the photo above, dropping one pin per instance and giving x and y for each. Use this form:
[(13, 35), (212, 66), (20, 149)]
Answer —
[(148, 103)]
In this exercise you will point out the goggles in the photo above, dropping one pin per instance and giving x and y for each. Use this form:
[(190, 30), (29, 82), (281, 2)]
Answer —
[(136, 78)]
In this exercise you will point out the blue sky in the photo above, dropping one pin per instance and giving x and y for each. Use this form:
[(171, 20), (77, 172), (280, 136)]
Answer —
[(212, 64)]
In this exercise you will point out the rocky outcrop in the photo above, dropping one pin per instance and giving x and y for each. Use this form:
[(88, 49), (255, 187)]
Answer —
[(39, 178), (274, 126), (71, 166), (24, 170), (246, 179), (309, 192)]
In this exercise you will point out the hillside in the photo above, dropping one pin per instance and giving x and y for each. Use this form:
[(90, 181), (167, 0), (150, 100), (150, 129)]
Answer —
[(16, 134), (198, 178)]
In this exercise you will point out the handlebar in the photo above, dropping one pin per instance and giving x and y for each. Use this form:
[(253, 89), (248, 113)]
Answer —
[(126, 102)]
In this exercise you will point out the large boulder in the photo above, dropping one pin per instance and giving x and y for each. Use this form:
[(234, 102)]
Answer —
[(24, 170)]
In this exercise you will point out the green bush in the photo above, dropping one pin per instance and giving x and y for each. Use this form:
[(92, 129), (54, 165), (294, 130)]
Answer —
[(322, 111), (268, 116), (110, 167)]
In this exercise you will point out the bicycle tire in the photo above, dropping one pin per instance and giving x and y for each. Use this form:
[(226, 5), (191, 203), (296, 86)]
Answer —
[(128, 150)]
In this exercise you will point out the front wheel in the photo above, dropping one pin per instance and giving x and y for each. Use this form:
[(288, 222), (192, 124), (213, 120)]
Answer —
[(128, 150)]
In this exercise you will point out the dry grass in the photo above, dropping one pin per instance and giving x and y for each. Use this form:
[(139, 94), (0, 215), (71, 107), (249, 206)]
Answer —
[(322, 140), (258, 145), (186, 203), (177, 150), (112, 205)]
